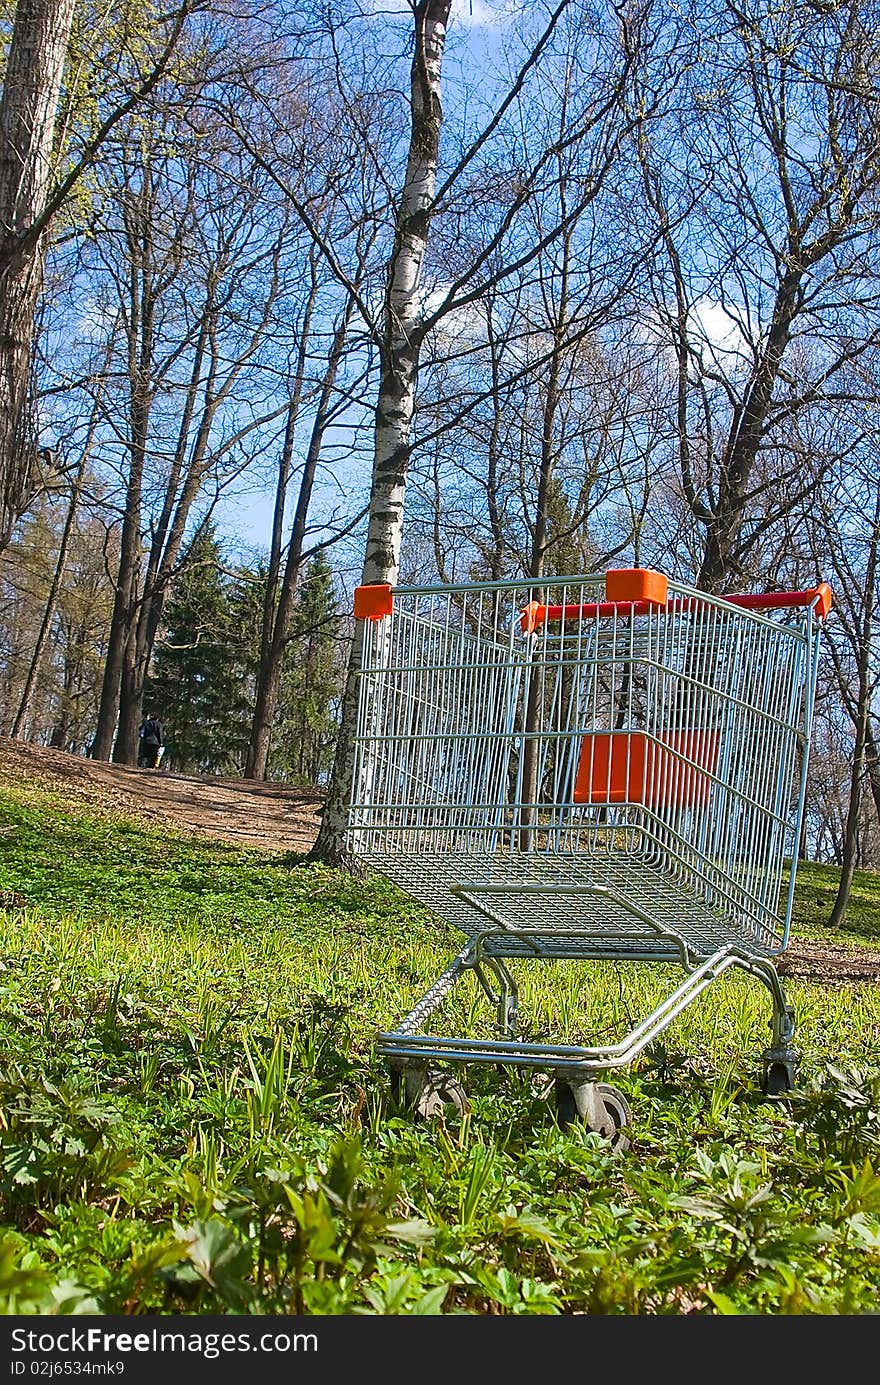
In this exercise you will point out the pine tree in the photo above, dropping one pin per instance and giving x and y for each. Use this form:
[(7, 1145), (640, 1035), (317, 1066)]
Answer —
[(245, 597), (311, 684), (194, 678)]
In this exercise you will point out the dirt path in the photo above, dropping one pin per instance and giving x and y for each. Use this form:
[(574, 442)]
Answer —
[(279, 818), (246, 812)]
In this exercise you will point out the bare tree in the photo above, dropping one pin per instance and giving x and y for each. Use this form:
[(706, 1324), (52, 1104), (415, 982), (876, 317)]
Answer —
[(283, 579), (847, 536), (35, 183), (332, 358), (20, 720), (408, 315), (195, 252), (764, 194), (28, 111), (55, 600)]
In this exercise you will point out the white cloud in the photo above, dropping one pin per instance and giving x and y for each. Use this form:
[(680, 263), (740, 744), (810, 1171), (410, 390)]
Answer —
[(477, 13), (717, 333), (717, 327)]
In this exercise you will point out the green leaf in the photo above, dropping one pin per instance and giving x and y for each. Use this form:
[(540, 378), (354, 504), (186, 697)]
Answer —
[(726, 1307), (415, 1232), (432, 1301)]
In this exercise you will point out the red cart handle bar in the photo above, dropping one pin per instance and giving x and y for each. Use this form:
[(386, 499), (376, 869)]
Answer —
[(535, 614), (628, 592)]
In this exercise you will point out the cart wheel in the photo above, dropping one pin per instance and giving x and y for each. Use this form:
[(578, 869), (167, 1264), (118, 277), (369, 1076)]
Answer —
[(395, 1085), (777, 1079), (426, 1092), (616, 1118)]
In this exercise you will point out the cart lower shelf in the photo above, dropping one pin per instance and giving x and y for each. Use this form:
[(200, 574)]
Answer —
[(571, 907), (550, 905)]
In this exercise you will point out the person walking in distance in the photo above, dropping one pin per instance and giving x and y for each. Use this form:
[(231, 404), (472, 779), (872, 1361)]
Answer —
[(150, 742)]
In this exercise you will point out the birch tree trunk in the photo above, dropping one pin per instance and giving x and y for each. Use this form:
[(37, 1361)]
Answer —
[(28, 108), (399, 347)]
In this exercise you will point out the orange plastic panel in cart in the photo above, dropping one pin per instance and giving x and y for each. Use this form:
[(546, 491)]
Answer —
[(636, 584), (373, 602), (630, 767)]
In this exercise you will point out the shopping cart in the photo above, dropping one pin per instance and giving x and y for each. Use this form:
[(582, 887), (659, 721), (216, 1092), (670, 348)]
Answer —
[(607, 767)]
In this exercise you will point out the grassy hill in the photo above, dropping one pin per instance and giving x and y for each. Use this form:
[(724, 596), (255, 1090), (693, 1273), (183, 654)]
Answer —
[(193, 1120)]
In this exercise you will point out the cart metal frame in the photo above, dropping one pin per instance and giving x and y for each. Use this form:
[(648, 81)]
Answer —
[(612, 767)]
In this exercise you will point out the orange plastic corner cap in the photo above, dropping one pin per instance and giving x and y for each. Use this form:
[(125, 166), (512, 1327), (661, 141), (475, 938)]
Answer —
[(823, 599), (636, 584), (373, 602), (531, 616)]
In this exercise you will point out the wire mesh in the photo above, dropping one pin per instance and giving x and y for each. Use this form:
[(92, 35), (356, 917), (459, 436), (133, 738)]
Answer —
[(587, 779)]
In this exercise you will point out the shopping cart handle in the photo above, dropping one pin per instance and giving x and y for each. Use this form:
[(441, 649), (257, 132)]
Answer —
[(536, 613), (819, 597)]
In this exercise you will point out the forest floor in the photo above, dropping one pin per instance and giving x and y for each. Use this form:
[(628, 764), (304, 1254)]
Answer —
[(279, 818), (245, 812)]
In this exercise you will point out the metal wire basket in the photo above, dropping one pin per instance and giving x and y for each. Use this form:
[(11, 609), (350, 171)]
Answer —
[(612, 767)]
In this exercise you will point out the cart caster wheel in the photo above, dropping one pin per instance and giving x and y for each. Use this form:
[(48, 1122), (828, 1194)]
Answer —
[(780, 1066), (778, 1079), (427, 1092), (610, 1113)]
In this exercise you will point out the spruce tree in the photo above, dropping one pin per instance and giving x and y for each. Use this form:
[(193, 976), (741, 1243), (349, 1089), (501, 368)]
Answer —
[(193, 682), (311, 683), (245, 595)]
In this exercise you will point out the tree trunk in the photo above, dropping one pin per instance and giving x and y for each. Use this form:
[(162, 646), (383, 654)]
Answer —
[(400, 345), (258, 746), (273, 648), (24, 706), (719, 565), (541, 535), (862, 731), (31, 89), (851, 830), (120, 622), (107, 740), (872, 766)]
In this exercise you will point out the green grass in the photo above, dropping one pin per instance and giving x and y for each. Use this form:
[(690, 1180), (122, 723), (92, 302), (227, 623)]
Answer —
[(193, 1119), (815, 892)]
